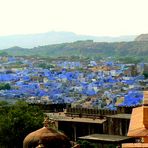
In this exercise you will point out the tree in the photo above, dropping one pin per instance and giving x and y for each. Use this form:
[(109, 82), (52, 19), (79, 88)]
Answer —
[(145, 74), (130, 59), (17, 121), (45, 65), (3, 103), (2, 53), (4, 86)]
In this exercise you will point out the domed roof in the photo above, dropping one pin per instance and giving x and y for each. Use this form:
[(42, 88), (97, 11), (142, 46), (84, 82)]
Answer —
[(46, 137)]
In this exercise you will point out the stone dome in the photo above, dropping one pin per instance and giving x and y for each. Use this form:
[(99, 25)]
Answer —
[(46, 137)]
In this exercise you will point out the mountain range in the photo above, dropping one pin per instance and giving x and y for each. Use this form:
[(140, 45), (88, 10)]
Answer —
[(88, 48), (48, 38), (136, 48)]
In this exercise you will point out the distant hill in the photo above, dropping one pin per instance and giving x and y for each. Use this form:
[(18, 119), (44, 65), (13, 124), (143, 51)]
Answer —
[(33, 40), (142, 37), (85, 48)]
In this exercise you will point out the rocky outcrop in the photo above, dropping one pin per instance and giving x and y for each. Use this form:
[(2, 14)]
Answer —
[(142, 37)]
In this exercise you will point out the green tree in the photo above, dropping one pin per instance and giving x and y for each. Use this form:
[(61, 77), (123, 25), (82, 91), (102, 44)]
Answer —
[(3, 103), (145, 74), (86, 144), (2, 53), (4, 86), (45, 65), (16, 121)]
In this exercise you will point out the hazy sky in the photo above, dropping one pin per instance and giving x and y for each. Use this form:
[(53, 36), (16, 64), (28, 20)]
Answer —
[(92, 17)]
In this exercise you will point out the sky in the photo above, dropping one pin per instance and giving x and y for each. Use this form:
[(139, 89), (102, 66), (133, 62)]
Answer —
[(87, 17)]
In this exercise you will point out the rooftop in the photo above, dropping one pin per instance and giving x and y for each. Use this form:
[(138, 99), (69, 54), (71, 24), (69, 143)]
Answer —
[(120, 116), (61, 117), (139, 119), (105, 137)]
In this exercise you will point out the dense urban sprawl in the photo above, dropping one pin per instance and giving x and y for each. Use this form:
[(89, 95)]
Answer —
[(87, 84)]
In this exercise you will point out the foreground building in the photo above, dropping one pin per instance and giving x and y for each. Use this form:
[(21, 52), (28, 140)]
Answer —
[(100, 127), (139, 125)]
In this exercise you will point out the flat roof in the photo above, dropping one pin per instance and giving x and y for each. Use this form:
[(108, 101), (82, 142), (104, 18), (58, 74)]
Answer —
[(120, 116), (83, 120), (105, 137), (61, 117)]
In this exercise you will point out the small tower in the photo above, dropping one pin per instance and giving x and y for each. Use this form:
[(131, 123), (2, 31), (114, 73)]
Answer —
[(139, 125)]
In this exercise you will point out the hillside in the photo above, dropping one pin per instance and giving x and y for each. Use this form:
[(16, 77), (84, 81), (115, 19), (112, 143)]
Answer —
[(48, 38), (142, 37), (85, 48)]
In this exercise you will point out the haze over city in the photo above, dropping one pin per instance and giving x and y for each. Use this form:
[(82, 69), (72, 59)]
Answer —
[(88, 17)]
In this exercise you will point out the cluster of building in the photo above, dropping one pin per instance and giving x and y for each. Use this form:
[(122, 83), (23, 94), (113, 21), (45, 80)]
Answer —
[(86, 84), (102, 95)]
